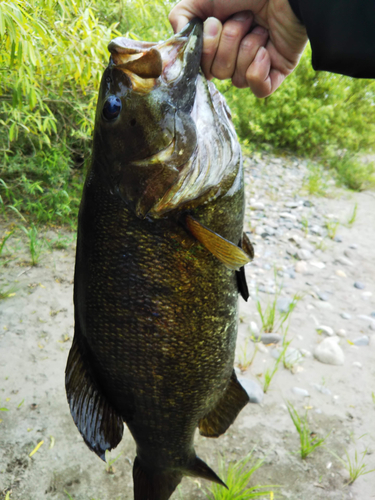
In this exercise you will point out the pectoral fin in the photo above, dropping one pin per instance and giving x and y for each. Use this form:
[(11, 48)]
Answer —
[(225, 412), (227, 252), (99, 424)]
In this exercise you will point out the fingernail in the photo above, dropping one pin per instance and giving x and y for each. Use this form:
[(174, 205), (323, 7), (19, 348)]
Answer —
[(260, 55), (242, 16), (211, 27), (259, 30)]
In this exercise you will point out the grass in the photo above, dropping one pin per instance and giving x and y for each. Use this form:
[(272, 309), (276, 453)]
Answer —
[(269, 374), (109, 462), (35, 243), (353, 217), (5, 291), (352, 172), (309, 441), (237, 478), (271, 319), (331, 227), (356, 467), (244, 358), (315, 183)]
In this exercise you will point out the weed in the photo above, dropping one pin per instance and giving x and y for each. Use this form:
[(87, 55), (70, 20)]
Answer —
[(373, 397), (237, 479), (35, 244), (109, 465), (356, 467), (305, 225), (61, 242), (308, 440), (353, 217), (271, 319), (315, 183), (352, 172), (269, 374), (331, 227), (4, 239), (244, 359)]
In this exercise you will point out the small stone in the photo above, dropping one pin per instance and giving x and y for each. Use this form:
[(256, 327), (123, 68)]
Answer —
[(303, 254), (262, 348), (316, 230), (353, 246), (292, 356), (305, 353), (327, 330), (308, 203), (373, 314), (301, 267), (372, 326), (257, 205), (365, 317), (324, 305), (300, 392), (288, 216), (362, 341), (359, 285), (259, 230), (254, 391), (341, 333), (323, 296), (283, 304), (338, 239), (345, 315), (329, 352), (271, 338), (366, 295), (254, 328), (322, 389), (340, 273), (291, 204), (319, 265), (344, 261), (357, 364), (267, 231)]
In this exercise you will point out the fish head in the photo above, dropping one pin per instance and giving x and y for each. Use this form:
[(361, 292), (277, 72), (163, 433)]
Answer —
[(144, 133)]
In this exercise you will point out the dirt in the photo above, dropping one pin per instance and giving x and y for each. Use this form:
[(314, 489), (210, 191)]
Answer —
[(36, 332)]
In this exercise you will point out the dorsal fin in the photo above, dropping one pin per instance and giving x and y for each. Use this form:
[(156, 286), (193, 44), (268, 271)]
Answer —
[(227, 252)]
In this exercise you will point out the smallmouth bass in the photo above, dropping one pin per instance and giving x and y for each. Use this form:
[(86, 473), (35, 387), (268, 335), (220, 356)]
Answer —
[(159, 264)]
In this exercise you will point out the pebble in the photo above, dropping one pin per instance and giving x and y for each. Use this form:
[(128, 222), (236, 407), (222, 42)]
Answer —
[(359, 285), (372, 326), (340, 273), (301, 267), (305, 353), (288, 216), (303, 254), (357, 364), (341, 333), (292, 204), (345, 315), (344, 261), (300, 392), (308, 203), (338, 239), (327, 330), (254, 391), (319, 265), (271, 338), (323, 296), (292, 356), (254, 328), (322, 389), (329, 352), (324, 305), (373, 314), (361, 341), (257, 205), (283, 304), (316, 230)]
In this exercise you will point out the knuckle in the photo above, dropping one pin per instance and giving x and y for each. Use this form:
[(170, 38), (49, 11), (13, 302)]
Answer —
[(231, 33)]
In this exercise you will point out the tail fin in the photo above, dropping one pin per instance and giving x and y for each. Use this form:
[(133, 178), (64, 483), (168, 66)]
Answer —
[(154, 485)]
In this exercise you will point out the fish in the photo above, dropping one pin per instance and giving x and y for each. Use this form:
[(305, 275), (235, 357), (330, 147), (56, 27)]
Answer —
[(159, 264)]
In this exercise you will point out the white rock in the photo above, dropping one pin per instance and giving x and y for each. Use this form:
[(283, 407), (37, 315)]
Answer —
[(341, 333), (254, 328), (257, 205), (340, 273), (327, 330), (357, 364), (329, 352), (287, 215), (319, 265), (300, 392), (254, 391), (344, 260)]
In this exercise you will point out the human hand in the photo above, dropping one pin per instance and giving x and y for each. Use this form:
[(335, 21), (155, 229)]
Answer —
[(256, 43)]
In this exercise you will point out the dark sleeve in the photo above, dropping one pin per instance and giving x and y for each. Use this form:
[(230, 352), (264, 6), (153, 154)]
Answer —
[(341, 33)]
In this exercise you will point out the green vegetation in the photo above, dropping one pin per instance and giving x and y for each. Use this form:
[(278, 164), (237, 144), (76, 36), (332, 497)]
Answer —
[(237, 477), (353, 217), (52, 55), (309, 441), (35, 243), (273, 320), (356, 467)]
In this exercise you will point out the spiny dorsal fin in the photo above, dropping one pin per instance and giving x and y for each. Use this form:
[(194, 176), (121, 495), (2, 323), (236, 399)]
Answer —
[(217, 421), (227, 252), (99, 424)]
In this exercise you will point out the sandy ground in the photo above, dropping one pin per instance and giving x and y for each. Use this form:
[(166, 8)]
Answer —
[(36, 328)]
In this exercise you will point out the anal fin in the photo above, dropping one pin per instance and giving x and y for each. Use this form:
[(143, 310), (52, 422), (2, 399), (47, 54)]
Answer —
[(231, 255), (99, 424), (217, 421)]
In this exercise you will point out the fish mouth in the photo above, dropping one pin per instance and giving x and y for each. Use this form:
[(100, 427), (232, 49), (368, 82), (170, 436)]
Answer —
[(174, 63)]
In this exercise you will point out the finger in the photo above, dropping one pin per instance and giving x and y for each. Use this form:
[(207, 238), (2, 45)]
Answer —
[(261, 77), (233, 31), (249, 47), (211, 39)]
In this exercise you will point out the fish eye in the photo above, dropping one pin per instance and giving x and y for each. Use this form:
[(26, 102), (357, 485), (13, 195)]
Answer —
[(112, 108)]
